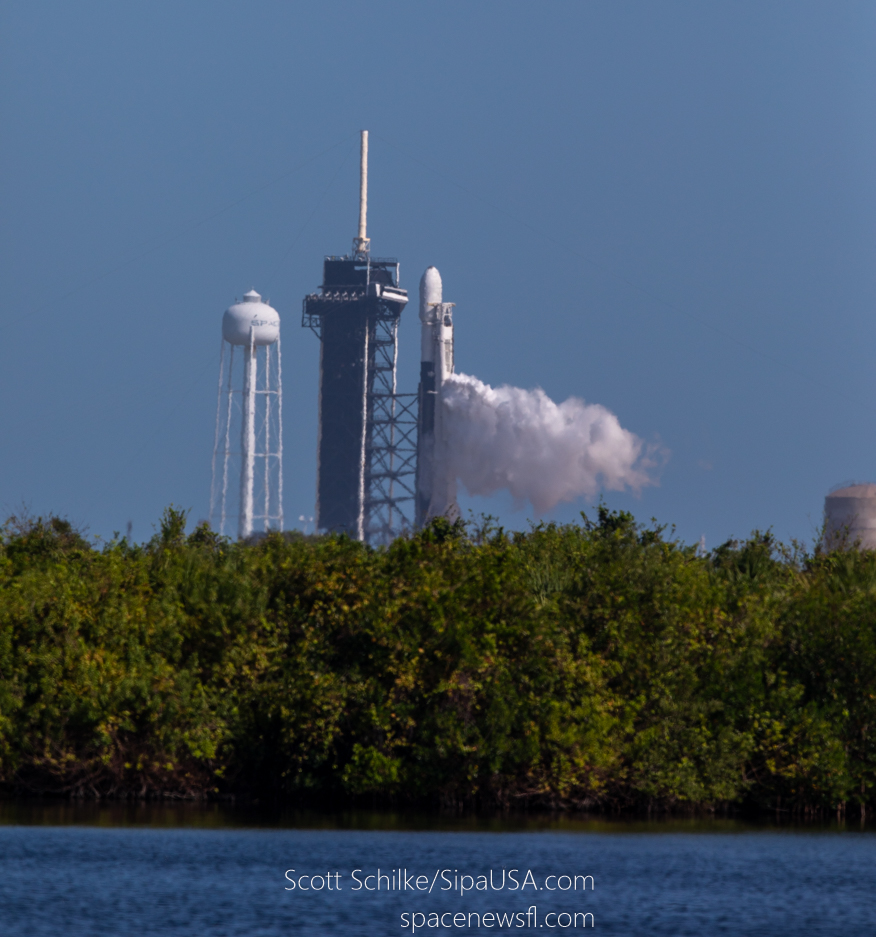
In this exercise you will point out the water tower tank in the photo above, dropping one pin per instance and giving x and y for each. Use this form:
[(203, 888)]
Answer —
[(252, 313), (850, 517)]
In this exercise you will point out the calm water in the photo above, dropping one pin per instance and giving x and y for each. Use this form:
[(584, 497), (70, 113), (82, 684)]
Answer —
[(217, 875)]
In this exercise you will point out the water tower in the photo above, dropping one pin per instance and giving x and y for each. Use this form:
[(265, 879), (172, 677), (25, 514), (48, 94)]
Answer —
[(248, 445)]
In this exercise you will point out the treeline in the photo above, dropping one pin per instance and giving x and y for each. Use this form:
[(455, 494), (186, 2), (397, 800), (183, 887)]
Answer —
[(602, 665)]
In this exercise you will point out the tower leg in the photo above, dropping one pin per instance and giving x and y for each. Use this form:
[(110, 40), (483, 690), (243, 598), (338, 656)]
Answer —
[(247, 472), (214, 481), (363, 455), (227, 450), (266, 511), (279, 436)]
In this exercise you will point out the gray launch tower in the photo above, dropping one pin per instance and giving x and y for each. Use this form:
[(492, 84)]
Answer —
[(367, 446)]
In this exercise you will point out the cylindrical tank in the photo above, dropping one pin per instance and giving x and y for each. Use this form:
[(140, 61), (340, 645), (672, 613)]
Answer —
[(850, 518), (430, 295), (252, 315)]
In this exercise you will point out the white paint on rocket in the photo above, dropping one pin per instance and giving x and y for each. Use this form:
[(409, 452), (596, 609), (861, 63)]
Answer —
[(436, 488)]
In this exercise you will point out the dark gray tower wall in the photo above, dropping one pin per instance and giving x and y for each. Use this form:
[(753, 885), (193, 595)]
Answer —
[(341, 418), (345, 314)]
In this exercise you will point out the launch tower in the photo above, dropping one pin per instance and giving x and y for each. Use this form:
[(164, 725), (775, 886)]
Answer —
[(366, 451)]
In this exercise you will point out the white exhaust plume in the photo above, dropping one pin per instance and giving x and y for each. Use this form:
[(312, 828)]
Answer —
[(540, 451)]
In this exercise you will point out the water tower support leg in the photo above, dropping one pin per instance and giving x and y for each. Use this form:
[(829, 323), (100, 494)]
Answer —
[(248, 441)]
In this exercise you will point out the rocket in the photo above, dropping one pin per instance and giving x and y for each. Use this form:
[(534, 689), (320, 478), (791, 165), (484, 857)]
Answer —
[(436, 487)]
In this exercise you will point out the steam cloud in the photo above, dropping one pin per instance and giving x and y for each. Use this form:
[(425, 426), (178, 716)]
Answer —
[(542, 452)]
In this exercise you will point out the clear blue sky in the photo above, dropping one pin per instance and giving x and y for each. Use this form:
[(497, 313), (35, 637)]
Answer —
[(667, 208)]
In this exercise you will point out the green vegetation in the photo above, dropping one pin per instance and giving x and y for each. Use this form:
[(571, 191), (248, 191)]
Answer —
[(603, 665)]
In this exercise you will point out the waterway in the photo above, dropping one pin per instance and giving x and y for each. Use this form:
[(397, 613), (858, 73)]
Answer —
[(190, 871)]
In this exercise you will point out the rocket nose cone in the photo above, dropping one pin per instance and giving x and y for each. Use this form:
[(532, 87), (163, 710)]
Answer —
[(430, 286)]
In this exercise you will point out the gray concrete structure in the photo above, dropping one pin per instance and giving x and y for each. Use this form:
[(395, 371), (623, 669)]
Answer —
[(850, 518)]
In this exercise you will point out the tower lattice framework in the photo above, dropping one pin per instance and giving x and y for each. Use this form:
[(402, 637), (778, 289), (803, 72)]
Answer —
[(391, 446), (368, 431)]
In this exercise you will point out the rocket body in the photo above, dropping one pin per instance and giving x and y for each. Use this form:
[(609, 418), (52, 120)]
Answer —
[(436, 488)]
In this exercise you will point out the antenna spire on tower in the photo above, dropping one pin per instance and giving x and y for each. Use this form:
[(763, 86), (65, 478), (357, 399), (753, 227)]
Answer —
[(361, 244)]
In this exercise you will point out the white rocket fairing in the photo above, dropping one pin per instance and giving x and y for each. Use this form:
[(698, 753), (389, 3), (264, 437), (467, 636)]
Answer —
[(436, 488)]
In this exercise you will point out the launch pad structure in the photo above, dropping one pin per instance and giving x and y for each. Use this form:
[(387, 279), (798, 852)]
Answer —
[(367, 447)]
